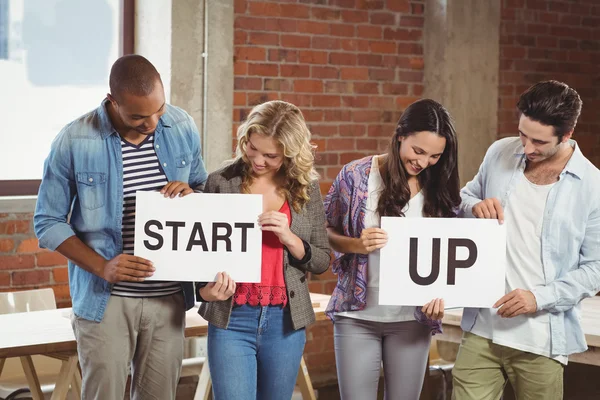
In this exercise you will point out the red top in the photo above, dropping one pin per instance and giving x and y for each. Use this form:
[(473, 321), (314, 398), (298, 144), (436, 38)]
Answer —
[(271, 289)]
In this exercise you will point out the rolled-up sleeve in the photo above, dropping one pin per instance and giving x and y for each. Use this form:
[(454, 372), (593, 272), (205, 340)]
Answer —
[(55, 196)]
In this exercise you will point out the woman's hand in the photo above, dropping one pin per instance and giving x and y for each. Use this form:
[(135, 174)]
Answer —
[(175, 188), (222, 289), (371, 239), (278, 223), (434, 309)]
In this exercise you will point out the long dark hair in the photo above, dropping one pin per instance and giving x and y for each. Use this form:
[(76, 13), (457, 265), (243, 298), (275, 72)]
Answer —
[(440, 183)]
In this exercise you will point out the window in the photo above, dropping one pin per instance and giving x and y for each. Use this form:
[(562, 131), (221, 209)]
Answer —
[(55, 58), (3, 29)]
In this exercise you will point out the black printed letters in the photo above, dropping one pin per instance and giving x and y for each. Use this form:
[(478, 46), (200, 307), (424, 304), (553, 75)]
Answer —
[(220, 232), (453, 263)]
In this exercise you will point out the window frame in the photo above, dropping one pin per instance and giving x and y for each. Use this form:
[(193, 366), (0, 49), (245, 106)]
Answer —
[(30, 187)]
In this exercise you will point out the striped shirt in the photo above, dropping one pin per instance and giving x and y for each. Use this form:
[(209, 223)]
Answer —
[(141, 171)]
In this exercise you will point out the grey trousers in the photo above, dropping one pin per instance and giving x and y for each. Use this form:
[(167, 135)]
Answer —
[(146, 333), (360, 348)]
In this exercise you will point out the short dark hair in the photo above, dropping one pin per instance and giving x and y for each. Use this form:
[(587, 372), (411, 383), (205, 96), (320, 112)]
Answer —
[(133, 74), (552, 103)]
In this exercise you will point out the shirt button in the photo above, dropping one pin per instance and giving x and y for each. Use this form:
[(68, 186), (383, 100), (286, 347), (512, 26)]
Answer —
[(157, 146), (165, 164), (91, 179), (183, 162)]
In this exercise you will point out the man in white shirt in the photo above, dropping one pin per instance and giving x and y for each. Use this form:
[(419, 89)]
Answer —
[(548, 195)]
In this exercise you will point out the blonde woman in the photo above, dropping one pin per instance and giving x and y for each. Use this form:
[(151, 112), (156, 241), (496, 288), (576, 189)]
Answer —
[(256, 332)]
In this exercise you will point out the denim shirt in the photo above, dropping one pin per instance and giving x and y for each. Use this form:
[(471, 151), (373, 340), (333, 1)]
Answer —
[(570, 236), (83, 176)]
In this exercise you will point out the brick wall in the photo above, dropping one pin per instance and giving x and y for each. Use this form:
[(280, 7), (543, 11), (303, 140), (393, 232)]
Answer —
[(352, 66), (24, 266), (559, 40)]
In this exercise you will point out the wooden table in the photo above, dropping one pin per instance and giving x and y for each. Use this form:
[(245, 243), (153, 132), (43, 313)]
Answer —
[(590, 322), (50, 333)]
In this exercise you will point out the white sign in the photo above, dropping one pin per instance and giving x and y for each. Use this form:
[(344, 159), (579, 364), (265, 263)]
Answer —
[(460, 260), (192, 238)]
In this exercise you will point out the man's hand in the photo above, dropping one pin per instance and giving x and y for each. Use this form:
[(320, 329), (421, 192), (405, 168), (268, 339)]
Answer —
[(175, 188), (515, 303), (371, 239), (220, 290), (489, 209), (127, 268)]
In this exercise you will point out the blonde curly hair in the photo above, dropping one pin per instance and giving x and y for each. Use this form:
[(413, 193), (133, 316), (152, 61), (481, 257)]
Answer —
[(284, 123)]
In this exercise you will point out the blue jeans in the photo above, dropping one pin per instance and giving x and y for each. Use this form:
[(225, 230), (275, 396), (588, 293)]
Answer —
[(257, 357)]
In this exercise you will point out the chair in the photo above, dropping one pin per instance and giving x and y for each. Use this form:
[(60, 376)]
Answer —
[(34, 371), (26, 301), (440, 367)]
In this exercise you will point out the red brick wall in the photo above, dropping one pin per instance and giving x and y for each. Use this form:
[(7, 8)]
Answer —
[(559, 40), (352, 66), (24, 266)]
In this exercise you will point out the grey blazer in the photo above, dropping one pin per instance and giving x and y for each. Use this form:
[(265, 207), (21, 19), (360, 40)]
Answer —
[(308, 225)]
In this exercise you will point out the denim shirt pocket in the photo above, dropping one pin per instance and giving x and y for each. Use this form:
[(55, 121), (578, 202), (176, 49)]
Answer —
[(183, 160), (91, 189)]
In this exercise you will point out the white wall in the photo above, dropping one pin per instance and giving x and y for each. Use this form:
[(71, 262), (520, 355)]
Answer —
[(153, 36)]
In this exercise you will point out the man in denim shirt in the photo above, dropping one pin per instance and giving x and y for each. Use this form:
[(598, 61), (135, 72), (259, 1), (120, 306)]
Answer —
[(548, 195), (133, 141)]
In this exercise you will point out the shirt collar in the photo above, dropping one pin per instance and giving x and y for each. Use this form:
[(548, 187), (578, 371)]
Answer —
[(576, 164), (106, 127)]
